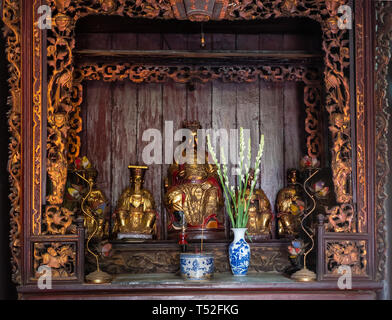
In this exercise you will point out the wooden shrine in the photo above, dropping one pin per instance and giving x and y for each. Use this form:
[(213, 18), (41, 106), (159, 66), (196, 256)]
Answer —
[(105, 71)]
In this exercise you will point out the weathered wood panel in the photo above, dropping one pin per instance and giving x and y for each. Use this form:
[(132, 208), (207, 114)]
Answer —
[(124, 136), (124, 41), (199, 103), (150, 117), (247, 42), (224, 102), (194, 41), (271, 42), (99, 129), (248, 110), (175, 41), (271, 124), (94, 40), (293, 125), (174, 112), (149, 41), (224, 106)]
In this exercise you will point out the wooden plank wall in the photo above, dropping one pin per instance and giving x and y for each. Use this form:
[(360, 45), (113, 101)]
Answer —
[(115, 115)]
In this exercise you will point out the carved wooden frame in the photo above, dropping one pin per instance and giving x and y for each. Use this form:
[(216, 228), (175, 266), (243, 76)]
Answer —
[(28, 169), (382, 63)]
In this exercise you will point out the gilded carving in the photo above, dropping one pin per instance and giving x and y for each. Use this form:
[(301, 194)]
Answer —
[(347, 253), (37, 124), (312, 100), (360, 42), (57, 163), (60, 257), (183, 74), (11, 18), (58, 220), (340, 219)]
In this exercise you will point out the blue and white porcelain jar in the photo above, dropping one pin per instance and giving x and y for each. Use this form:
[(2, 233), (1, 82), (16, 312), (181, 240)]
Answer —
[(239, 253), (196, 266)]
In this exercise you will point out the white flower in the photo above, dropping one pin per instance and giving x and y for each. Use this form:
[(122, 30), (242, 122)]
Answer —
[(246, 169)]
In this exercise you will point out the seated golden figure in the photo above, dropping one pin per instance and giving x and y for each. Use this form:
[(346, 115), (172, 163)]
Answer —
[(290, 207), (194, 195), (260, 214), (135, 214)]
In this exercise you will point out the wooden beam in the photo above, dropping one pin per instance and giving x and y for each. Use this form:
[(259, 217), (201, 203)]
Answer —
[(199, 56)]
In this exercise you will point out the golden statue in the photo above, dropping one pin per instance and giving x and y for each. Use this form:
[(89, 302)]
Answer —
[(97, 205), (194, 195), (290, 207), (260, 213), (135, 211)]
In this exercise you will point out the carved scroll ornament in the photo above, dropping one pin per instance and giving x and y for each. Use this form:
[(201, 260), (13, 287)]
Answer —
[(11, 18), (61, 258), (347, 253), (382, 105)]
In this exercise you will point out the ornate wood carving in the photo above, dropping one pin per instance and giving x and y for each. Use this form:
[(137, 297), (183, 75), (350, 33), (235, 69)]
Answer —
[(144, 260), (156, 73), (312, 99), (346, 253), (340, 219), (61, 258), (11, 17), (383, 61), (58, 220), (198, 10), (362, 198), (37, 130)]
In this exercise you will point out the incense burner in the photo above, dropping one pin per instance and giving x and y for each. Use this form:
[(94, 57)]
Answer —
[(197, 266)]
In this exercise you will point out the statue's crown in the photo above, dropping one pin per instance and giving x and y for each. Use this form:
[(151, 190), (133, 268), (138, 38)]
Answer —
[(137, 170)]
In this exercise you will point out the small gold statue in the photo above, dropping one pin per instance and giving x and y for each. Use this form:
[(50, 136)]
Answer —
[(290, 207), (194, 195), (135, 212), (260, 213), (97, 205)]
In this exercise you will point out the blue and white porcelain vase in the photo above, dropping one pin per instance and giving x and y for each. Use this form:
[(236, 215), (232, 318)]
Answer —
[(239, 253)]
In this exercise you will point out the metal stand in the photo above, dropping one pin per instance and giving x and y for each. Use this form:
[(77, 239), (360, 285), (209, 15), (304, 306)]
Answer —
[(98, 276), (306, 275)]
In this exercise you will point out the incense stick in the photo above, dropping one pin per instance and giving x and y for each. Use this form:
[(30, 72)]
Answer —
[(202, 237)]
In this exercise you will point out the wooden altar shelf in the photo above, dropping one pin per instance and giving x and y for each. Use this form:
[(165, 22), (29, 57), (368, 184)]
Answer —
[(163, 256), (202, 56), (222, 286)]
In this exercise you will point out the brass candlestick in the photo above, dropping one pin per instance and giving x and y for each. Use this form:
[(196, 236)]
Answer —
[(97, 276), (306, 275)]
